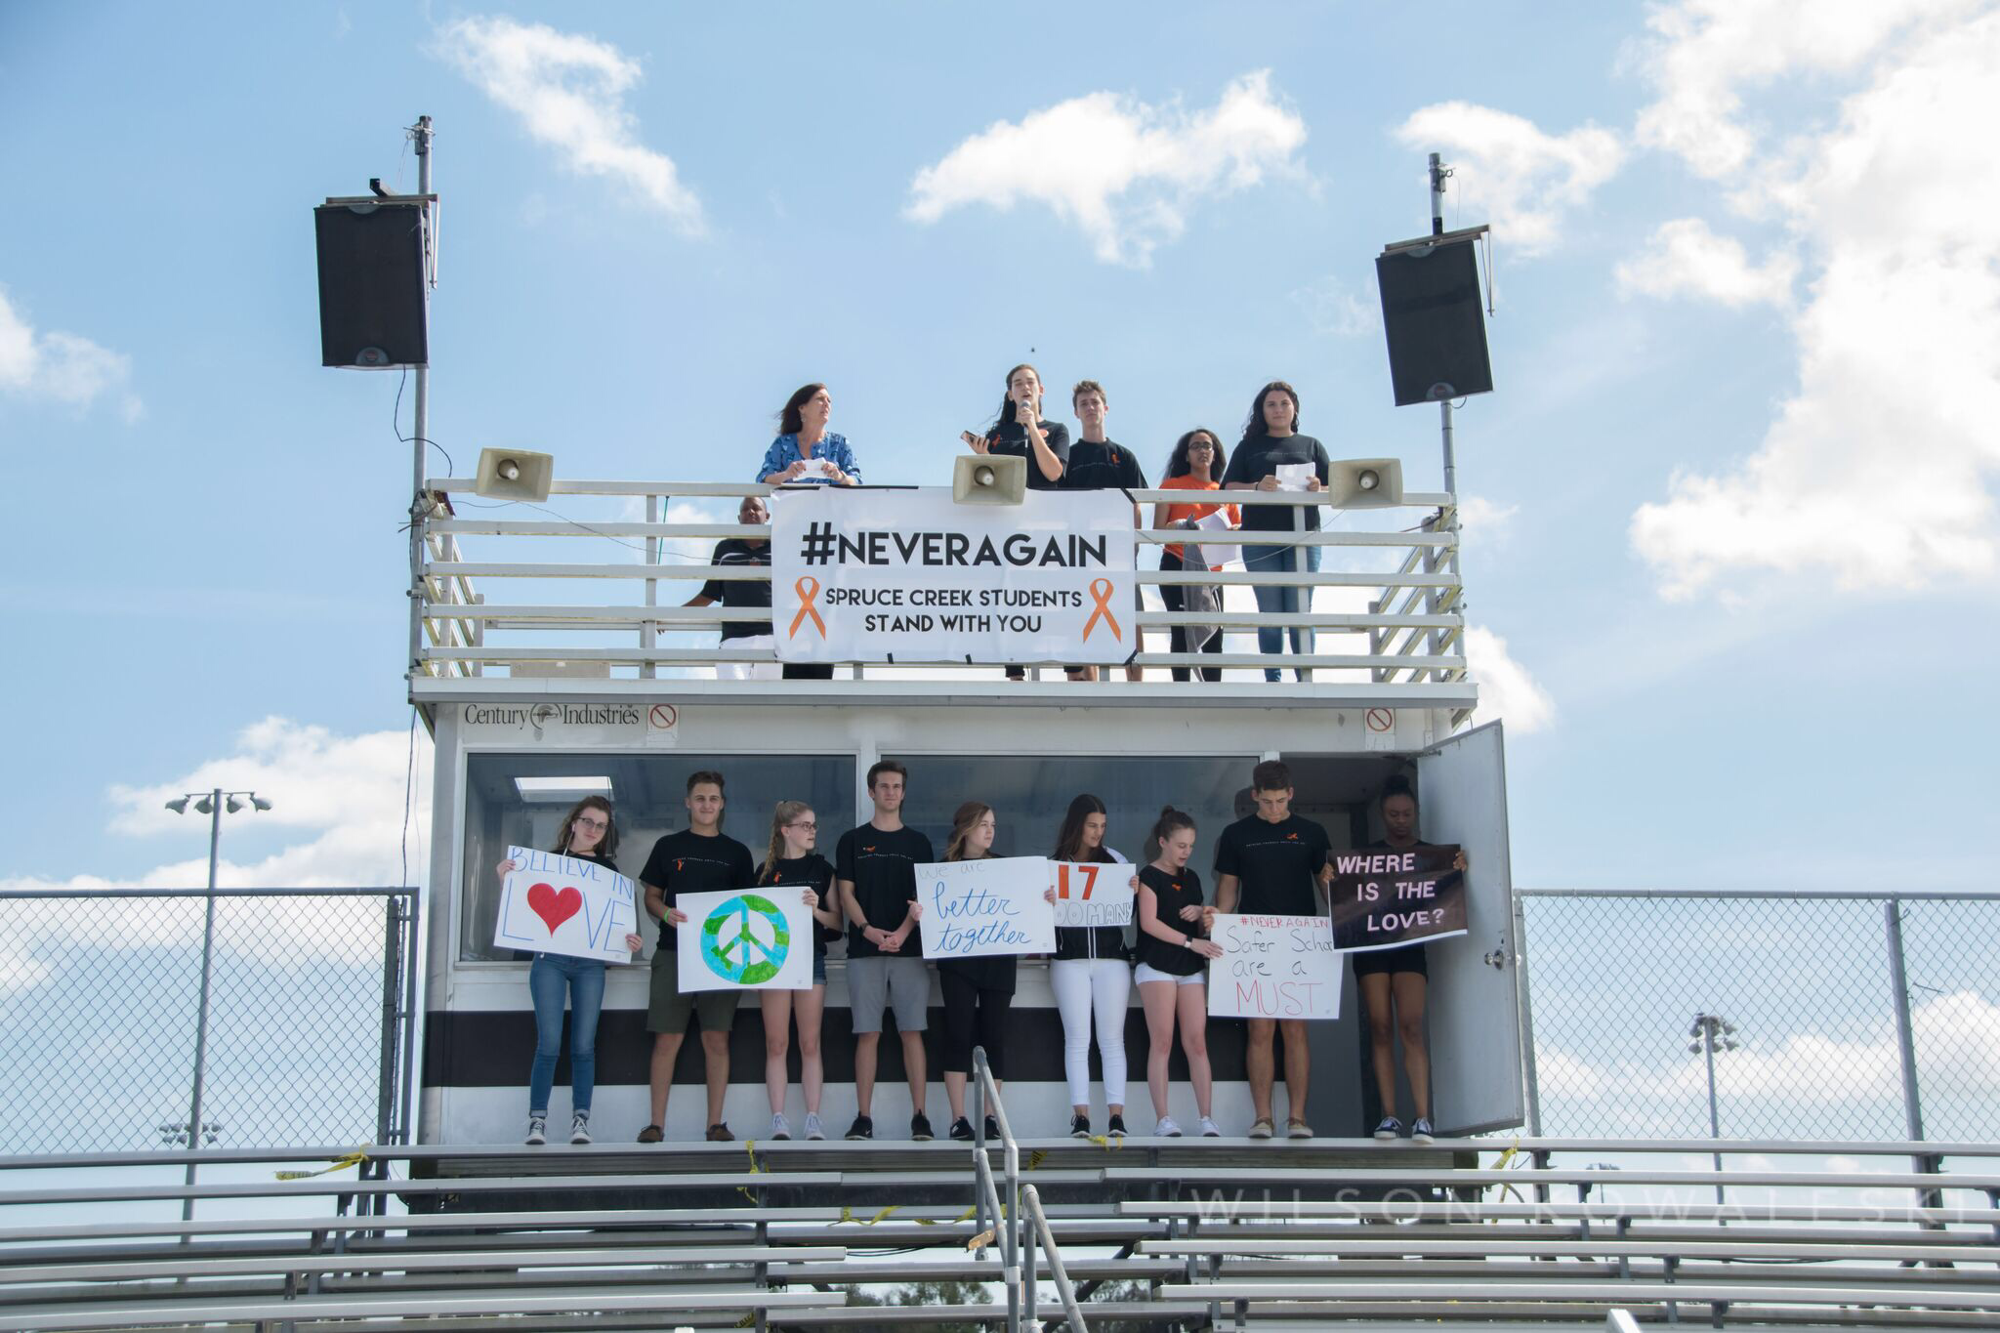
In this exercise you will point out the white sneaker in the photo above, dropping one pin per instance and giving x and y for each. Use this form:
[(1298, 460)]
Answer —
[(1390, 1128), (1420, 1130), (814, 1129), (1166, 1129), (780, 1130), (579, 1128), (538, 1131), (1209, 1129)]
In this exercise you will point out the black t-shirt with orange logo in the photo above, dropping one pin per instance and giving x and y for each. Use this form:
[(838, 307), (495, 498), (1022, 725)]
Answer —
[(1276, 863), (1171, 892), (811, 871), (687, 862), (883, 868)]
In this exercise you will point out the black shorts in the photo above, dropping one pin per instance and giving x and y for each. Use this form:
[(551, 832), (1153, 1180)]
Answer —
[(1384, 962)]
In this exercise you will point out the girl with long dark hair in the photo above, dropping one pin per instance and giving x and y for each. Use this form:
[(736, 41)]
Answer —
[(1271, 442), (1196, 464), (805, 452), (1092, 980), (588, 833), (791, 861)]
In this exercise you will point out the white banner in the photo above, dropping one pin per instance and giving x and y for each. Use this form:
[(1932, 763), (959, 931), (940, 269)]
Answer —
[(1274, 967), (748, 939), (1092, 893), (997, 905), (557, 904), (862, 575)]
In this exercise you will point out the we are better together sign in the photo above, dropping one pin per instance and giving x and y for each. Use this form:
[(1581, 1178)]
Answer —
[(746, 939), (862, 575), (551, 903)]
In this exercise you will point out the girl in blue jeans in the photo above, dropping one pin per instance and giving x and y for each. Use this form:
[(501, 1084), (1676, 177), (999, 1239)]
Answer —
[(1273, 456), (588, 834)]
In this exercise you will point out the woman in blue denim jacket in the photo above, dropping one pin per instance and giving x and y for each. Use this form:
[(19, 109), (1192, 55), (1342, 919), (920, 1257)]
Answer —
[(804, 452)]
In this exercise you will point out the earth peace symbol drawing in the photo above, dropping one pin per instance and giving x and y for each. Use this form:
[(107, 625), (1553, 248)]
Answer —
[(745, 940)]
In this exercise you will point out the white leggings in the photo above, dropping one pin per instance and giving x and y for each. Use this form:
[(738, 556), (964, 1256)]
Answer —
[(1083, 985)]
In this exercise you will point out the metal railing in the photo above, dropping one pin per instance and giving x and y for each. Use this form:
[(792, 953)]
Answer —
[(1397, 590), (1023, 1225)]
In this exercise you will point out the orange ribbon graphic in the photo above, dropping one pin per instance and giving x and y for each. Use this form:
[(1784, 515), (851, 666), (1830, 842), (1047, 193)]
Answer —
[(807, 589), (1101, 590)]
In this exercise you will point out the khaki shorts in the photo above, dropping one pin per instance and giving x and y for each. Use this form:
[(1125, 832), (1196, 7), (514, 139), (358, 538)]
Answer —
[(667, 1010), (897, 982)]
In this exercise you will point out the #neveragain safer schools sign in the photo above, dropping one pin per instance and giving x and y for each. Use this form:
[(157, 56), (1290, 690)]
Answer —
[(995, 905), (1273, 967), (748, 939), (1384, 899), (861, 575), (551, 903)]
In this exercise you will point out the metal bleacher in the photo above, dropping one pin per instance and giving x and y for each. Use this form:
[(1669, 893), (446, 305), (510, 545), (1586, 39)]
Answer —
[(1143, 1234)]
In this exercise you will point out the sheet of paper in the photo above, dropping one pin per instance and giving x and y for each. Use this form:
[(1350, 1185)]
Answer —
[(1294, 476), (1215, 554)]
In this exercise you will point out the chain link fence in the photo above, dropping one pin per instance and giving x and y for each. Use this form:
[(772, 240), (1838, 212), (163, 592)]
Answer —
[(308, 1017), (1812, 1035)]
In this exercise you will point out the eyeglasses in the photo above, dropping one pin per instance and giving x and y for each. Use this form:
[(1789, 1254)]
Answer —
[(596, 825), (805, 824), (1204, 445)]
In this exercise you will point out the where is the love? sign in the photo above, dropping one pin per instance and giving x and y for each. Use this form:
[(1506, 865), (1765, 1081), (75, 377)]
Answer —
[(557, 904)]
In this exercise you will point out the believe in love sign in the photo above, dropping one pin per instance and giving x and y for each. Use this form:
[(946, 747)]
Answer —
[(1273, 967), (906, 575), (1383, 899), (551, 903), (745, 939), (995, 905)]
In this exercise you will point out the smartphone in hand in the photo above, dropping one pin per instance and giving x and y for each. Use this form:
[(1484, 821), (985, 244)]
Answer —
[(970, 438)]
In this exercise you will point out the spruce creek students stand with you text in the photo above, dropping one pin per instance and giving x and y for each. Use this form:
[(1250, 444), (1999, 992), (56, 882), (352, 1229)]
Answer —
[(978, 992), (1270, 442), (875, 869), (1020, 432), (791, 861), (1172, 951), (588, 834), (1091, 977), (1196, 464), (1096, 463), (1274, 863), (698, 859), (1397, 981)]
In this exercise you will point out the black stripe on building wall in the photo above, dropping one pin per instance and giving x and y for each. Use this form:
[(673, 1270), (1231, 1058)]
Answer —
[(494, 1049)]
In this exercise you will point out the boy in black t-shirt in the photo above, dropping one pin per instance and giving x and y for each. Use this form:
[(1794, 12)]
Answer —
[(875, 869), (1274, 863), (697, 859), (1096, 463)]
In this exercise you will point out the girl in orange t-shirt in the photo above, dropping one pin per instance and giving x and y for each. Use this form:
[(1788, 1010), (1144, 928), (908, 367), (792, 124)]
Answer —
[(1196, 465)]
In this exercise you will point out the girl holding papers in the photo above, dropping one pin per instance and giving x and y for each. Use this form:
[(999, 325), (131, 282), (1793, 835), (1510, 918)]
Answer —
[(1090, 976), (1172, 951), (791, 861), (1195, 465), (1273, 456), (588, 834)]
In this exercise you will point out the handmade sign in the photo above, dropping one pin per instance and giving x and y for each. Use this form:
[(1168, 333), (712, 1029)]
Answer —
[(1092, 894), (991, 906), (552, 903), (906, 575), (1383, 899), (1273, 967), (748, 939)]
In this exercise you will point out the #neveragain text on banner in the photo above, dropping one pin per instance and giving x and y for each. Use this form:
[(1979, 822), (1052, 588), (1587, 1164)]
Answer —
[(558, 904), (748, 939), (906, 575), (990, 906), (1383, 899), (1092, 894), (1273, 967)]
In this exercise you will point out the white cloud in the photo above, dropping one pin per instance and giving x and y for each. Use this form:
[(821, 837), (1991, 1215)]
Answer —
[(1123, 171), (1484, 517), (1524, 180), (1878, 469), (1335, 309), (1684, 257), (1506, 690), (569, 91), (62, 367)]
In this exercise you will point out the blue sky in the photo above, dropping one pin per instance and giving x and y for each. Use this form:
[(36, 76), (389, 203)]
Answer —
[(1733, 512)]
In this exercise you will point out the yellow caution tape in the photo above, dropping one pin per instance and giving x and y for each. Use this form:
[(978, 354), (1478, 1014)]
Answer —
[(355, 1158), (1505, 1161)]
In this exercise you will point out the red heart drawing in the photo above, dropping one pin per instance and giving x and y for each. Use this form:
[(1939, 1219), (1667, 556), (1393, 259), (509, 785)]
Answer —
[(552, 907)]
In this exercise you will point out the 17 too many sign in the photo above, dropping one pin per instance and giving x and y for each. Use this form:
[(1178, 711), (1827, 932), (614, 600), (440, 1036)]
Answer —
[(551, 903), (745, 939), (1092, 894), (1273, 967), (1383, 899)]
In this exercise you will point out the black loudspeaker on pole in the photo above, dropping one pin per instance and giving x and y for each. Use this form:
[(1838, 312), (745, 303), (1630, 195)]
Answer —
[(371, 285), (1432, 317)]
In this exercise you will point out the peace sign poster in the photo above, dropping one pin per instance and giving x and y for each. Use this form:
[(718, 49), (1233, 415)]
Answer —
[(907, 575), (745, 939)]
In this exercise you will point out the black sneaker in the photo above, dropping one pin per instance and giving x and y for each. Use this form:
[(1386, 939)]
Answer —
[(1115, 1127), (1079, 1126), (719, 1133), (961, 1130), (862, 1128), (992, 1129), (920, 1128)]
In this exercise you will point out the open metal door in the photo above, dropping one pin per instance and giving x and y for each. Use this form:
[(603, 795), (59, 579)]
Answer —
[(1475, 1036)]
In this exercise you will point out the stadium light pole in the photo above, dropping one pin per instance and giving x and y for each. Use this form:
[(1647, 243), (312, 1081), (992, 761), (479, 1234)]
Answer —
[(1712, 1033), (214, 804)]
